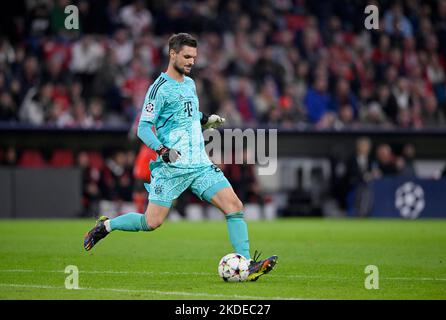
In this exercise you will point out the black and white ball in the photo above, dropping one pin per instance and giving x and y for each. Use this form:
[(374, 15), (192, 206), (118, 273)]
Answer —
[(233, 267)]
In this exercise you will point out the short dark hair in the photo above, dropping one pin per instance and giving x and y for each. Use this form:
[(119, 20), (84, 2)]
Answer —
[(177, 41)]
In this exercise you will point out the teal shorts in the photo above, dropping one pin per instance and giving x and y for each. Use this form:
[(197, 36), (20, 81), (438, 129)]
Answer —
[(168, 183)]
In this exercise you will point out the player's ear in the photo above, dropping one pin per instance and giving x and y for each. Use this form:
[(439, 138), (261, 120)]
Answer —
[(172, 53)]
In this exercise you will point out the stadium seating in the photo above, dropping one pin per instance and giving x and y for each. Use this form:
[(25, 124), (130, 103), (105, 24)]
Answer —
[(32, 159), (62, 158), (96, 160)]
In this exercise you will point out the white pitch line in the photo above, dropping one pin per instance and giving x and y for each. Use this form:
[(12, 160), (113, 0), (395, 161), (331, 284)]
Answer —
[(211, 274), (113, 272), (349, 278), (420, 279), (178, 293)]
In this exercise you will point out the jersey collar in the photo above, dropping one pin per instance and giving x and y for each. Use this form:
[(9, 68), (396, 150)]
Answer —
[(168, 78)]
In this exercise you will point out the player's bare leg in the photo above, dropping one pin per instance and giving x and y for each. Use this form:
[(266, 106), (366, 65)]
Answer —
[(132, 221), (228, 202), (155, 215)]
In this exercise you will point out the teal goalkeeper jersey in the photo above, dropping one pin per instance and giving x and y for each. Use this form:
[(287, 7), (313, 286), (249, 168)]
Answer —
[(173, 108)]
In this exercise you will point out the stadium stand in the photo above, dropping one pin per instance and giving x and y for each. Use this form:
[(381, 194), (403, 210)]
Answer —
[(285, 62), (289, 64)]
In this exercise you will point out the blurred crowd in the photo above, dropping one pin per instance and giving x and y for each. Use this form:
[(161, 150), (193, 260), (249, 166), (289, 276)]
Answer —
[(117, 177), (350, 184), (105, 176), (288, 63)]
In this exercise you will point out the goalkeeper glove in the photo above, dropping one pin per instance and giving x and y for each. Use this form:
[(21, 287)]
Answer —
[(168, 155), (211, 122)]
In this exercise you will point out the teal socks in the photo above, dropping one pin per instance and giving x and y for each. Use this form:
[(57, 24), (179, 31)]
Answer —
[(238, 233), (130, 222), (237, 228)]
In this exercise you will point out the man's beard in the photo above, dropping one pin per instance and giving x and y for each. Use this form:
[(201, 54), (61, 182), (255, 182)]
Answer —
[(180, 70)]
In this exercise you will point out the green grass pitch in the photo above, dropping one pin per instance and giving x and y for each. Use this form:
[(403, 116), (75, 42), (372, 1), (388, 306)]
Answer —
[(318, 259)]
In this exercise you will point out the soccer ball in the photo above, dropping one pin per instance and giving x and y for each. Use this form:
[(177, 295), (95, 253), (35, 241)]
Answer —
[(233, 267)]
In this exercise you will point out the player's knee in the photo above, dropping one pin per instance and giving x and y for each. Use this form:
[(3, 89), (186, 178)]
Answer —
[(154, 222), (239, 205), (235, 205)]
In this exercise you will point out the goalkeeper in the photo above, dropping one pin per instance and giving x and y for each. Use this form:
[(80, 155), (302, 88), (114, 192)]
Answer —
[(171, 105)]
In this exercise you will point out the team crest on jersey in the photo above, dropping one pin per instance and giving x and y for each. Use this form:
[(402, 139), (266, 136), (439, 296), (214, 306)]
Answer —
[(158, 189)]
